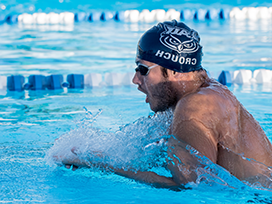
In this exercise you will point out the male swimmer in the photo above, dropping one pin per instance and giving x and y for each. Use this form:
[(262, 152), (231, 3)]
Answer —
[(206, 115)]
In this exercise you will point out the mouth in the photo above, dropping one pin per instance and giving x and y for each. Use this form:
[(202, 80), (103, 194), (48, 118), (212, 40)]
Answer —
[(142, 90), (146, 99)]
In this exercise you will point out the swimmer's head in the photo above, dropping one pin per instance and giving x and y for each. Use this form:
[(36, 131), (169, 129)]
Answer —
[(171, 45)]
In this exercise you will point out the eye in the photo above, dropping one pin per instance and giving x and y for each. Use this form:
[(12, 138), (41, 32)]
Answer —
[(189, 45), (173, 41)]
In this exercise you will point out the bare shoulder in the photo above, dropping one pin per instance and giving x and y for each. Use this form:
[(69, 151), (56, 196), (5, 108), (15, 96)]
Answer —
[(197, 117), (211, 99)]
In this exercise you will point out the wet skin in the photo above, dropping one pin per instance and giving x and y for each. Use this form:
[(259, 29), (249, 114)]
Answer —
[(209, 118)]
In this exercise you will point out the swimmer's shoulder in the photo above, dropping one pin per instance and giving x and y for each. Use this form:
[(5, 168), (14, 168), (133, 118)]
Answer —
[(215, 91), (209, 98), (207, 93), (196, 103)]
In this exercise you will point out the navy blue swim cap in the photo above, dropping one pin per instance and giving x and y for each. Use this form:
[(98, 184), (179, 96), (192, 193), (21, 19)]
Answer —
[(171, 45)]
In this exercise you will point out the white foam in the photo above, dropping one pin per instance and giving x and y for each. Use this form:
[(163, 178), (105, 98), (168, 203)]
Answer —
[(142, 146), (132, 146)]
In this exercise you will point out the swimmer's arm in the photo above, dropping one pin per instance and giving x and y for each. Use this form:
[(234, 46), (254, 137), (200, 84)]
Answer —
[(150, 178), (192, 133), (147, 177), (195, 134), (72, 160), (195, 123)]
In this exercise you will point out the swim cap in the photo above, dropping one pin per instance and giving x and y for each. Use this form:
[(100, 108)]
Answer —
[(171, 45)]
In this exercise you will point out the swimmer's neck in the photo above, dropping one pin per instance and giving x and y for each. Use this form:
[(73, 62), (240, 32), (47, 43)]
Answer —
[(190, 83)]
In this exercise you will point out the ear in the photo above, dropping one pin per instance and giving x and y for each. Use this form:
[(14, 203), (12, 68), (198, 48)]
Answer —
[(171, 73), (174, 75)]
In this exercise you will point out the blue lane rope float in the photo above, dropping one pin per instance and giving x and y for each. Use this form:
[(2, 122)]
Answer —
[(15, 82), (251, 13), (76, 81), (225, 78), (80, 81), (54, 82), (37, 82)]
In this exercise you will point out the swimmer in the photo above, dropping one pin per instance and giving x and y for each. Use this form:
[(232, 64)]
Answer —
[(206, 115)]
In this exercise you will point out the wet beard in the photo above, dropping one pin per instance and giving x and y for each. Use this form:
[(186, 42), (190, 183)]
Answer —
[(165, 95)]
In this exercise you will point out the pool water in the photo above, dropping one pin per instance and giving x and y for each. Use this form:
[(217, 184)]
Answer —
[(29, 127), (83, 5), (30, 121)]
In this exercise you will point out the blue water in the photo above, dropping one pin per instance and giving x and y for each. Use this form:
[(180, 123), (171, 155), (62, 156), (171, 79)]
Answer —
[(83, 5), (30, 125), (31, 121)]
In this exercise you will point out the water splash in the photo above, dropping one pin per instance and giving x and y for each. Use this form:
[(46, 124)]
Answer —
[(90, 118), (143, 145), (138, 146)]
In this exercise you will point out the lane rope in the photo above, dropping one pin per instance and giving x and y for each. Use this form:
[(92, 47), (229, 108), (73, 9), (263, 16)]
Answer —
[(134, 16), (80, 81)]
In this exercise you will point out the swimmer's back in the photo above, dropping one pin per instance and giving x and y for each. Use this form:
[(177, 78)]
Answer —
[(229, 125)]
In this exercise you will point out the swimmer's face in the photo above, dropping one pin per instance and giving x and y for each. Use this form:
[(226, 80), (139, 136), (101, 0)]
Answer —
[(158, 89)]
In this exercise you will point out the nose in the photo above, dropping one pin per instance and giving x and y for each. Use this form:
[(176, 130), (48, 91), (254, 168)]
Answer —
[(136, 80)]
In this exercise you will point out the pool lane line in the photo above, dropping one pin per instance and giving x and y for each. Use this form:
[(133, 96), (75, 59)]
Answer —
[(145, 16)]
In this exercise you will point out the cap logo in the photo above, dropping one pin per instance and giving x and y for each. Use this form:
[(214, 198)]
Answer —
[(169, 38)]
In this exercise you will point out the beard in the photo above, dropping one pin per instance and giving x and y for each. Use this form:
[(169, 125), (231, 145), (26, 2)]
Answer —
[(163, 96)]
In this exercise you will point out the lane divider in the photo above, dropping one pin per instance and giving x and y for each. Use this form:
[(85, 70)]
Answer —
[(243, 76), (252, 13), (80, 81), (56, 81)]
